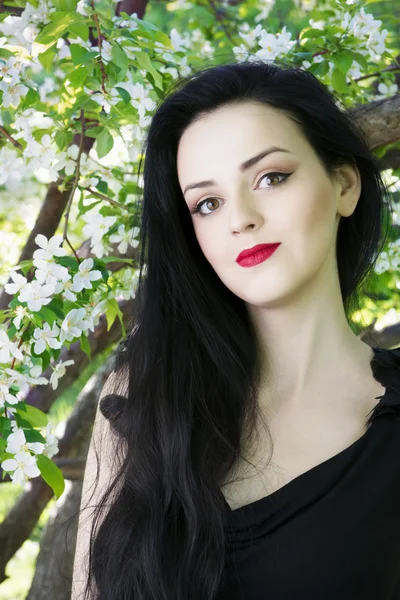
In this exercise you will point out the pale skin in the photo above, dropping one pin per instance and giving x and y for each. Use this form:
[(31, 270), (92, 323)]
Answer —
[(317, 371)]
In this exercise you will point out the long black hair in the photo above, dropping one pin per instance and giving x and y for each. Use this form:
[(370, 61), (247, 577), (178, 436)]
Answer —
[(191, 362)]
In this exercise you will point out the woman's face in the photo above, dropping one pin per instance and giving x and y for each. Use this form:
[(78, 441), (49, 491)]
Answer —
[(284, 197)]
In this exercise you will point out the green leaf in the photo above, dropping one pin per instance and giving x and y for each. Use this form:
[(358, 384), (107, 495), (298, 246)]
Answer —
[(102, 186), (120, 59), (34, 416), (93, 132), (12, 330), (48, 315), (132, 188), (107, 259), (51, 474), (338, 81), (45, 356), (25, 266), (63, 139), (31, 97), (32, 436), (121, 320), (162, 37), (311, 33), (69, 262), (65, 5), (77, 77), (5, 53), (104, 143), (126, 110), (57, 307), (84, 208), (77, 53), (343, 61), (61, 23), (85, 346), (81, 30), (144, 62), (5, 427), (3, 445), (111, 312), (320, 68), (360, 58), (124, 94), (46, 58)]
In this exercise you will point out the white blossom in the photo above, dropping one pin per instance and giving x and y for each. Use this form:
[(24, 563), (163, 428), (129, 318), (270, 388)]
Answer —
[(376, 42), (16, 442), (106, 51), (6, 396), (94, 313), (12, 92), (241, 53), (97, 225), (36, 295), (139, 95), (67, 160), (19, 283), (83, 7), (59, 371), (22, 467), (364, 24), (354, 72), (46, 336), (48, 248), (51, 272), (125, 237), (74, 324), (64, 287), (266, 8), (51, 447), (8, 348), (40, 13), (11, 166), (250, 34), (88, 182), (85, 276), (387, 90), (8, 69), (23, 380), (44, 158), (22, 312), (273, 46)]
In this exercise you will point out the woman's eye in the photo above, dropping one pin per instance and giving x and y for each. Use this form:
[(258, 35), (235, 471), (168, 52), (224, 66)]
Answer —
[(274, 176)]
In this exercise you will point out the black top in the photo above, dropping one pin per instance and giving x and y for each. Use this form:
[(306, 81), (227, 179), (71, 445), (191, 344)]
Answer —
[(333, 532)]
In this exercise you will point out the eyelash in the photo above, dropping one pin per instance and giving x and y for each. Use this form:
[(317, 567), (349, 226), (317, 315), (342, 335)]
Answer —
[(196, 209)]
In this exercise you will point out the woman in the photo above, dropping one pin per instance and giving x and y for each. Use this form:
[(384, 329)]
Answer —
[(250, 461)]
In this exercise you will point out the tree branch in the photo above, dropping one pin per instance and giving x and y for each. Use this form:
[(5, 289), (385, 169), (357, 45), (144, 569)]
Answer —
[(4, 132), (48, 219), (380, 121), (22, 518)]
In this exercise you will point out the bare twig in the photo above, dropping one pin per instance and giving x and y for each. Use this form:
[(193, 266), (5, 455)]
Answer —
[(377, 73), (99, 37), (104, 197), (76, 179), (10, 138)]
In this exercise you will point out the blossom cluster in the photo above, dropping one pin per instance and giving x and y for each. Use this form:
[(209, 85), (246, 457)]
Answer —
[(50, 279)]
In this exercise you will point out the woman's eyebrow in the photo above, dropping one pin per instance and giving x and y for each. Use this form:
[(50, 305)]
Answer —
[(243, 167)]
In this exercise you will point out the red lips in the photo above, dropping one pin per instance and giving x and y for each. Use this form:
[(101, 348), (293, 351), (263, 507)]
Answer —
[(254, 249)]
